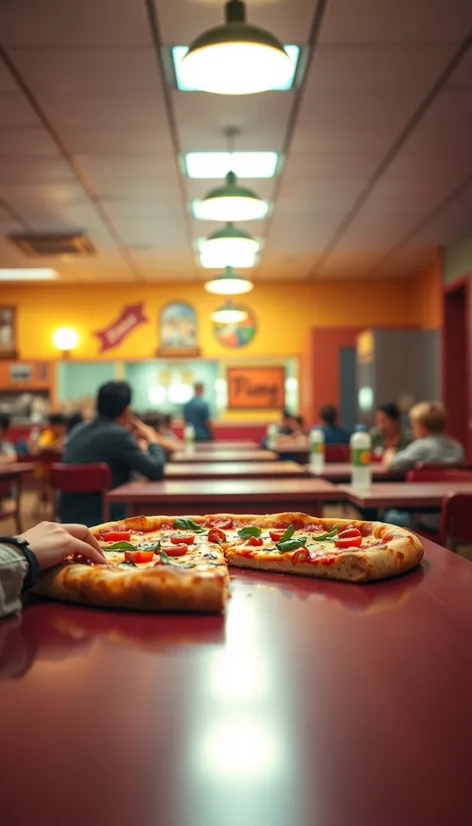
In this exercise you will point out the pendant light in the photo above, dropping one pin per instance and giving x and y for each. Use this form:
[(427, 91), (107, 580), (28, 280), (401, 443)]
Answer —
[(236, 58), (231, 202), (229, 242), (228, 313), (229, 284)]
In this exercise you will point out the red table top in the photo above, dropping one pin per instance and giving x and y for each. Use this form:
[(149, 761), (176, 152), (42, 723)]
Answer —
[(341, 472), (224, 491), (227, 445), (224, 456), (404, 494), (16, 469), (311, 702), (230, 470)]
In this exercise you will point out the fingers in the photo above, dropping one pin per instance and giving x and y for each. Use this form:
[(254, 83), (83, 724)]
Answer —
[(78, 546), (82, 533)]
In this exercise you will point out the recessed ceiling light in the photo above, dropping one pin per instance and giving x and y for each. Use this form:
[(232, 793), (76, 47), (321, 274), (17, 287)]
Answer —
[(29, 274), (243, 164), (185, 82)]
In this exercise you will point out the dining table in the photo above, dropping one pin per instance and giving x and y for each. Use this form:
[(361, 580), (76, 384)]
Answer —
[(234, 470), (341, 472), (192, 455), (405, 495), (229, 444), (200, 496), (309, 702)]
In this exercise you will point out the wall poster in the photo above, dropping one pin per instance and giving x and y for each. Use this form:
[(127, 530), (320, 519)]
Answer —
[(256, 388), (8, 332), (178, 330)]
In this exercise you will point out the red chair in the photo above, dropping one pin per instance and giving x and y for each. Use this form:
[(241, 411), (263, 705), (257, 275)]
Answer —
[(337, 453), (93, 478), (439, 473), (456, 524), (7, 487)]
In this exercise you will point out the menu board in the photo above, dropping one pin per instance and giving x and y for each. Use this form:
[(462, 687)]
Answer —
[(256, 388)]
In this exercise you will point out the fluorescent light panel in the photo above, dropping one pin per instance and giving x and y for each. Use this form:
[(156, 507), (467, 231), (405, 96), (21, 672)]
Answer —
[(243, 164), (179, 52), (33, 274)]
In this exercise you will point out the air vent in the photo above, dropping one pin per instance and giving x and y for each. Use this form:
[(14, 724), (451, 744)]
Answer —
[(49, 244)]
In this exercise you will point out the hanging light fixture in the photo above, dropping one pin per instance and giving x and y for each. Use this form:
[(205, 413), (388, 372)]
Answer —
[(228, 313), (230, 283), (228, 243), (236, 58), (231, 202)]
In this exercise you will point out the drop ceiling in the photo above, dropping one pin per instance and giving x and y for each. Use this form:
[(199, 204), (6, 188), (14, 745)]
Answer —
[(376, 140)]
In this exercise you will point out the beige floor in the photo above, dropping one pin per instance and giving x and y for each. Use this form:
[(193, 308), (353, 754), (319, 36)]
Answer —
[(31, 515)]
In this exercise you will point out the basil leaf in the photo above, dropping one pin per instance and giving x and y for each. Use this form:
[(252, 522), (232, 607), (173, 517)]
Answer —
[(120, 546), (155, 547), (128, 564), (288, 534), (169, 561), (291, 544), (323, 536), (246, 533), (187, 524)]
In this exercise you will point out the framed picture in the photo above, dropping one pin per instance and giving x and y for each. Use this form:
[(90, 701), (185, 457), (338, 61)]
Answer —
[(178, 330), (237, 334), (256, 388), (20, 372), (8, 332)]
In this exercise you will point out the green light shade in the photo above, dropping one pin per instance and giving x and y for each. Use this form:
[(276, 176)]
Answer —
[(236, 58), (229, 243), (229, 284), (228, 313), (231, 202)]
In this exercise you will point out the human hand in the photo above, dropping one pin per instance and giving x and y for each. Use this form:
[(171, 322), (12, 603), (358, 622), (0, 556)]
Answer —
[(51, 543), (143, 432), (388, 456)]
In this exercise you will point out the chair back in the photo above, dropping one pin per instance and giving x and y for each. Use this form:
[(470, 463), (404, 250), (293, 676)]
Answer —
[(439, 473), (337, 453), (456, 524), (93, 478)]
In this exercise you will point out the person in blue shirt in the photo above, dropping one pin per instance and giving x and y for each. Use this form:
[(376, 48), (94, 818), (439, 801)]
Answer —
[(334, 434), (197, 413)]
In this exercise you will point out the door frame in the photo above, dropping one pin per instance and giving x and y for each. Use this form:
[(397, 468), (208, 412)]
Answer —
[(459, 283)]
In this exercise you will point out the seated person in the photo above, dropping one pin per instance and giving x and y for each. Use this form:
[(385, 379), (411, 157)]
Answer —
[(108, 438), (73, 420), (431, 444), (161, 425), (388, 432), (7, 452), (334, 433), (52, 437)]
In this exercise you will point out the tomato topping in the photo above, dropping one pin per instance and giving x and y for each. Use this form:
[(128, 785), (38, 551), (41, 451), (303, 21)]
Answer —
[(117, 536), (216, 535), (349, 533), (348, 541), (276, 535), (175, 550), (303, 555), (224, 523), (255, 541), (186, 539), (139, 556)]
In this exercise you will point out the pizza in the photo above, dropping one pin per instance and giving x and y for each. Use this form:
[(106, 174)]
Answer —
[(166, 563)]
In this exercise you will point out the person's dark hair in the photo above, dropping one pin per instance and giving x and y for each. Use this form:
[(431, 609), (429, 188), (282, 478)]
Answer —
[(153, 419), (113, 398), (391, 410), (5, 421), (300, 420), (329, 414), (286, 414), (57, 418), (167, 418), (73, 420)]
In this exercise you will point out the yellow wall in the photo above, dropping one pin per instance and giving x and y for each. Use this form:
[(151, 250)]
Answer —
[(285, 313)]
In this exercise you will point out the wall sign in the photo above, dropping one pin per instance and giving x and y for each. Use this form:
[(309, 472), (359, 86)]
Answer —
[(8, 332), (114, 333), (178, 330), (238, 333), (256, 388)]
